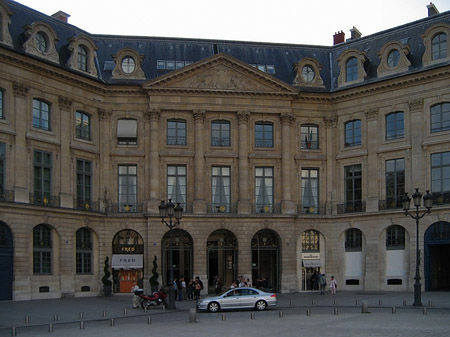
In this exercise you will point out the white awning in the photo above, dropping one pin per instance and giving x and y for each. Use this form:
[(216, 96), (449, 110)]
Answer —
[(127, 261), (311, 263)]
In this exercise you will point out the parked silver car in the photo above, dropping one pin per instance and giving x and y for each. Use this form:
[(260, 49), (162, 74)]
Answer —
[(238, 298)]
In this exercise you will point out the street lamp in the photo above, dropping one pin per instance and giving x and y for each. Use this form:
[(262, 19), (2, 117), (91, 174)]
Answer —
[(428, 203), (171, 211)]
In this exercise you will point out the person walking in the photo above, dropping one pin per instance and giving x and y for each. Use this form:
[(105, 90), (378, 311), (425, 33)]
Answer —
[(333, 285), (322, 283)]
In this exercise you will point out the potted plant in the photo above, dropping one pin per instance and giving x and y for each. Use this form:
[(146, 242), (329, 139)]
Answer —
[(154, 284), (107, 283)]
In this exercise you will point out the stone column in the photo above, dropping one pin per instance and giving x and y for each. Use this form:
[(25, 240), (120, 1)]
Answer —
[(287, 164), (199, 205), (332, 145), (372, 132), (417, 162), (105, 138), (244, 205), (21, 153), (66, 194), (152, 162)]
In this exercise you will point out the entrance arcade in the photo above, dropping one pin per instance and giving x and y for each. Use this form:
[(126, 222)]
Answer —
[(437, 252), (182, 245), (266, 260)]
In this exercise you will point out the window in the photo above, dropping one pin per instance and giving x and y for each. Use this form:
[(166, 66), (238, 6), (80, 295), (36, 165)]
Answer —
[(263, 134), (171, 64), (84, 184), (309, 137), (2, 116), (42, 249), (353, 240), (393, 58), (395, 128), (395, 182), (440, 117), (127, 132), (221, 189), (395, 238), (84, 251), (176, 184), (2, 170), (82, 125), (82, 58), (310, 190), (220, 133), (41, 114), (439, 47), (351, 69), (264, 189), (353, 188), (308, 73), (440, 177), (267, 68), (127, 188), (128, 65), (41, 42), (42, 177), (176, 132), (353, 133), (310, 241)]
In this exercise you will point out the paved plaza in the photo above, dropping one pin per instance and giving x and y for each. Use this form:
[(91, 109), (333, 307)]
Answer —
[(301, 314)]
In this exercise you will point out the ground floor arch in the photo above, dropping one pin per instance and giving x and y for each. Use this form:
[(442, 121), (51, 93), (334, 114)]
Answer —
[(177, 246), (6, 262), (266, 249), (437, 252)]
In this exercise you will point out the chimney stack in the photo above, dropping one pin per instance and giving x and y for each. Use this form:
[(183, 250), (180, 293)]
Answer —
[(338, 37), (61, 16), (355, 33), (432, 10)]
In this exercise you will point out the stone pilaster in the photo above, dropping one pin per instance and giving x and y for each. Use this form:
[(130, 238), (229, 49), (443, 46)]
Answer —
[(372, 135), (152, 174), (244, 205), (417, 162), (199, 205), (332, 145), (66, 171), (104, 117), (287, 164)]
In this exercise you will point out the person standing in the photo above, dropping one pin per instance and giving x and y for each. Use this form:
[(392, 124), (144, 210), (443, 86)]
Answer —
[(322, 283), (333, 285), (136, 298)]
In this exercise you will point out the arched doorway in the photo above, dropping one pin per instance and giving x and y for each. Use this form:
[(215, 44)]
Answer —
[(311, 259), (127, 261), (437, 251), (266, 260), (182, 259), (222, 258), (6, 262)]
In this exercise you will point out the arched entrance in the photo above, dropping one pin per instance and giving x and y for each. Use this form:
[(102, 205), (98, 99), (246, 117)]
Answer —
[(222, 258), (127, 261), (266, 260), (182, 259), (437, 251), (6, 262), (311, 259)]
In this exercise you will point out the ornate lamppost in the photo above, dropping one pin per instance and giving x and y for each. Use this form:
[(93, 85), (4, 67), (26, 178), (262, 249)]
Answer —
[(171, 211), (428, 203)]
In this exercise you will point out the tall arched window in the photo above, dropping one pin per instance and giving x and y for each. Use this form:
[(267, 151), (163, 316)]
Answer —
[(84, 251), (395, 238), (310, 241), (42, 249), (353, 240)]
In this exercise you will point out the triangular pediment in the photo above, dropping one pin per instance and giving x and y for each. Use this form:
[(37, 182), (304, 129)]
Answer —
[(220, 73)]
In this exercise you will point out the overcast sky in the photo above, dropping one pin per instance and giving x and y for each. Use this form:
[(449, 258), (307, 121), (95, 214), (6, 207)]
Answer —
[(282, 21)]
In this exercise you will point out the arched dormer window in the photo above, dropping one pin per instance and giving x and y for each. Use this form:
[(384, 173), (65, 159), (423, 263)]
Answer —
[(82, 50), (128, 65), (308, 73), (5, 14), (393, 59), (351, 64), (41, 41), (437, 44)]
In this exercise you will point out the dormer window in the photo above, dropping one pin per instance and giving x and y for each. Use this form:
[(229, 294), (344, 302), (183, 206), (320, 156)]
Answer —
[(439, 47), (437, 44), (308, 73), (351, 68), (393, 58), (128, 65), (351, 64), (81, 59), (41, 41)]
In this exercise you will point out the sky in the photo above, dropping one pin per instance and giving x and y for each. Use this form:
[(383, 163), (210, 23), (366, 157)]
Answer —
[(312, 22)]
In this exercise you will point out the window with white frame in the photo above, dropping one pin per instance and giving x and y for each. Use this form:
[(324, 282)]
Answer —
[(176, 132), (82, 58), (263, 134), (220, 133), (439, 46)]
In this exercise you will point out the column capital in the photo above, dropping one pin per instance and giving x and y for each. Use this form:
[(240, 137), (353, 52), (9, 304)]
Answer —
[(65, 103), (243, 117), (287, 118), (199, 115), (20, 89), (153, 114), (104, 115), (330, 122), (416, 105), (372, 114)]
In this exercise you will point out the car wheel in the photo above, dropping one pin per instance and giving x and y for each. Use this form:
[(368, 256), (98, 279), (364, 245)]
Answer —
[(213, 307), (261, 305)]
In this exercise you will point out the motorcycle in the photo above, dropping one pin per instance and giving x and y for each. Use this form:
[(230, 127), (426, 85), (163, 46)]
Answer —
[(157, 298)]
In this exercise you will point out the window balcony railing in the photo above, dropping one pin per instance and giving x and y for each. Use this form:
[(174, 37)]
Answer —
[(311, 210), (126, 208), (42, 199), (351, 207), (222, 208), (266, 209), (389, 204), (86, 205), (6, 195), (441, 198)]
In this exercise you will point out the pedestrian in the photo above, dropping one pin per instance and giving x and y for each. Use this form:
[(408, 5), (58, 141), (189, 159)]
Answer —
[(315, 281), (190, 290), (333, 285), (323, 283), (135, 291), (218, 285)]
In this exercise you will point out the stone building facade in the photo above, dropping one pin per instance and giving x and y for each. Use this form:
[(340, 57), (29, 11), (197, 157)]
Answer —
[(286, 159)]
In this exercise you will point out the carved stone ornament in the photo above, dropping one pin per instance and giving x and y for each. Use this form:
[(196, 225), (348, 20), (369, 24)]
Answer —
[(416, 105), (331, 122), (104, 115), (287, 118), (64, 103), (199, 115), (48, 34), (153, 114), (20, 89), (372, 114), (243, 116)]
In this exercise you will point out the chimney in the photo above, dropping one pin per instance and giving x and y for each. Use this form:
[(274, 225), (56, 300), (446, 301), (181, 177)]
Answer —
[(339, 37), (61, 16), (432, 10), (355, 33)]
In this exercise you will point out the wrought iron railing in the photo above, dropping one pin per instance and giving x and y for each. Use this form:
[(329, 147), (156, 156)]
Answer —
[(351, 207), (222, 208), (42, 199), (86, 205)]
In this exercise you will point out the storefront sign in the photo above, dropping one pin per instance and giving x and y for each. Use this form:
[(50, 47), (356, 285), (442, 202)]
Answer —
[(311, 256), (127, 261)]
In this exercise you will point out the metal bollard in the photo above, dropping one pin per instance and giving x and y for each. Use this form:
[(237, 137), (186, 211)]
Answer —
[(394, 310), (336, 311), (13, 331), (55, 317), (357, 302), (290, 303), (104, 313), (280, 314), (425, 311), (380, 302), (145, 309), (364, 307), (149, 320), (334, 301), (50, 327), (224, 317), (81, 325), (27, 319), (81, 315), (111, 322), (430, 304), (192, 315), (308, 312), (252, 315), (312, 301), (125, 311), (404, 303)]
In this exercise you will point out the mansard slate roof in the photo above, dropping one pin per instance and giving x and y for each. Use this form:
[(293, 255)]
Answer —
[(282, 56)]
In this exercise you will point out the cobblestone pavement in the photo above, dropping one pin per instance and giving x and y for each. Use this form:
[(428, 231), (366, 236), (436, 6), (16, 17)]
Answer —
[(308, 314)]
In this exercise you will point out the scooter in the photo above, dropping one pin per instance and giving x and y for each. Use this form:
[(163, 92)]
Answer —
[(157, 298)]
